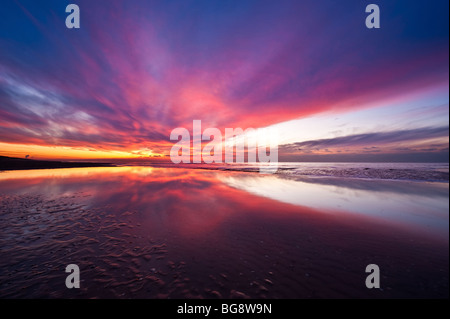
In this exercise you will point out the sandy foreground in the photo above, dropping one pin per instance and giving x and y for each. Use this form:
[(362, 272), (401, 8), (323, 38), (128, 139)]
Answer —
[(141, 232)]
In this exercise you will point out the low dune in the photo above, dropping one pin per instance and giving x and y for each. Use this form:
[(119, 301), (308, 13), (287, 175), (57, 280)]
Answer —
[(12, 163)]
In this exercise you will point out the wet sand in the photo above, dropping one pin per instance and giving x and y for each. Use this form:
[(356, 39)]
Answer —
[(140, 232)]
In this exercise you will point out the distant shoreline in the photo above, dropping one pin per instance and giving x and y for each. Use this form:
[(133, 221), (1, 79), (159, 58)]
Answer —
[(12, 163), (417, 172)]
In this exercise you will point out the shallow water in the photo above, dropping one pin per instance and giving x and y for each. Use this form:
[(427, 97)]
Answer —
[(432, 172), (145, 232)]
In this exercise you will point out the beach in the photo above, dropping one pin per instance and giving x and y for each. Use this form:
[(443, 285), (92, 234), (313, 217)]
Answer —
[(12, 163), (167, 232)]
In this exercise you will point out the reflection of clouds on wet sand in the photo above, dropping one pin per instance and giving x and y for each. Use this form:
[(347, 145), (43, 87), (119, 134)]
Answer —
[(419, 204), (141, 232)]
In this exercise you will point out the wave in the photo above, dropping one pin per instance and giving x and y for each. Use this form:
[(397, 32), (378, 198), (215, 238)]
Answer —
[(432, 172)]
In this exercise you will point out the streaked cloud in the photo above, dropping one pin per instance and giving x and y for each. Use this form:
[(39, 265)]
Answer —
[(137, 69), (380, 138)]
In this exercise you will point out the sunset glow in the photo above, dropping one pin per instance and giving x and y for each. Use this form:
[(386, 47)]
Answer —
[(116, 87), (255, 150)]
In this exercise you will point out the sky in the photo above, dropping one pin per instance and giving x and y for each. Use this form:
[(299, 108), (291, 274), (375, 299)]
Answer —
[(135, 70)]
